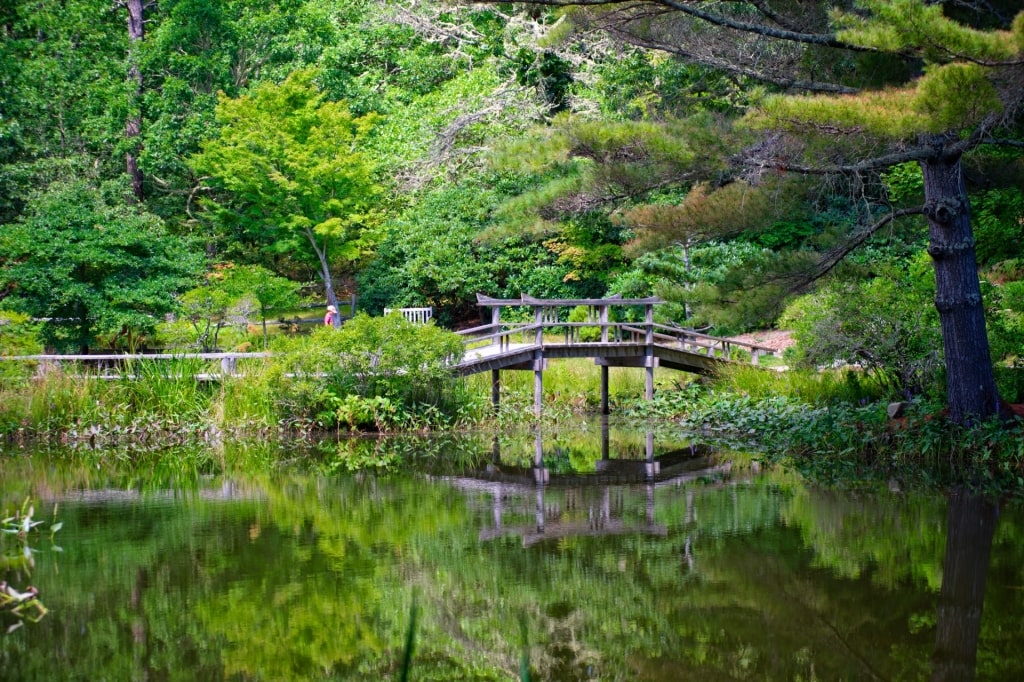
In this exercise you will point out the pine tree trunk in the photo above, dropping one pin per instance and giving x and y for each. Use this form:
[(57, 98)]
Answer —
[(970, 381), (133, 126)]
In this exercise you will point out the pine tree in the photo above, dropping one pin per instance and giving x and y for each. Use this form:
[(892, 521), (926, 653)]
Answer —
[(866, 86)]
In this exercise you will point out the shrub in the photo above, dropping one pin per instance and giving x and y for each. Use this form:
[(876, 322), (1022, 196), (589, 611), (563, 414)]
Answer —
[(887, 326), (387, 358)]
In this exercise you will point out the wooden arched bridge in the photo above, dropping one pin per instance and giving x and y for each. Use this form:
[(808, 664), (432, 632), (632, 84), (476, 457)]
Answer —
[(503, 345)]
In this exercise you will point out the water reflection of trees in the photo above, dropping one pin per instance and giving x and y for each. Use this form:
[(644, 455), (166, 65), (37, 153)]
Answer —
[(305, 577)]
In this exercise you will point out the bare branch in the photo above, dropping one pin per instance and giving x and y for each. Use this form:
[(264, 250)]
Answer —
[(740, 70), (832, 258), (691, 9)]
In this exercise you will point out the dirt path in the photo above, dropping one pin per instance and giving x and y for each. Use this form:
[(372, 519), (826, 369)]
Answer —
[(779, 340)]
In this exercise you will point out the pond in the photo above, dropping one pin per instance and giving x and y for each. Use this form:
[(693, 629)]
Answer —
[(620, 557)]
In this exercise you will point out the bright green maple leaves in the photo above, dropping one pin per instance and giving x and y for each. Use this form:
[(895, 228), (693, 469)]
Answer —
[(291, 174)]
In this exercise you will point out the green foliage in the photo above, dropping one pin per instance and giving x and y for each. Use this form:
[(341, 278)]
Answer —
[(904, 183), (18, 336), (63, 77), (584, 164), (91, 266), (231, 295), (899, 25), (546, 71), (431, 256), (581, 313), (644, 85), (895, 338), (1005, 320), (295, 179), (998, 220), (786, 234), (374, 370), (811, 387), (844, 443), (957, 89)]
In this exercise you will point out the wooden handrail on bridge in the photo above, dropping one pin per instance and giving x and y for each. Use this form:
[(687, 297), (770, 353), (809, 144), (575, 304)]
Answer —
[(501, 333)]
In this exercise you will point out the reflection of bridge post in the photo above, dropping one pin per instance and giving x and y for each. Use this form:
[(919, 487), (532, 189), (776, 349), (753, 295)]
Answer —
[(651, 467), (604, 390), (605, 435), (604, 368), (538, 362), (499, 510), (540, 474)]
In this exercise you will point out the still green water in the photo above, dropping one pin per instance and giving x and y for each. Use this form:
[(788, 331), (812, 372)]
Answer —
[(655, 564)]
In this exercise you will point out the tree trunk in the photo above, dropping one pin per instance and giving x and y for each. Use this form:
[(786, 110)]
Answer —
[(970, 381), (971, 526), (133, 126), (325, 274)]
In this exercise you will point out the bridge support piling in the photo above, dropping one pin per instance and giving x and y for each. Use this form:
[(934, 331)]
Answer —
[(604, 390), (496, 389), (649, 352), (538, 388)]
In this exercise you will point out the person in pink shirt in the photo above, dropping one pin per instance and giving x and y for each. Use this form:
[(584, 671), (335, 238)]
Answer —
[(332, 312)]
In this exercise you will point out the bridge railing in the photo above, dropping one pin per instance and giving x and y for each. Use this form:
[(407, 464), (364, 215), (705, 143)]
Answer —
[(504, 334)]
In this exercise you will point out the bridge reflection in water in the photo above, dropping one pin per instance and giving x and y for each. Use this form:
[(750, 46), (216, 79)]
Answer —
[(599, 503)]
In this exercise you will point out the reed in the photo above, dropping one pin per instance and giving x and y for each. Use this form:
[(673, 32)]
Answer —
[(807, 386), (166, 388), (574, 382)]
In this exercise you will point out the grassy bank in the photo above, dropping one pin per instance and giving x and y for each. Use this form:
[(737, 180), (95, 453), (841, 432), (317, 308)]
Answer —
[(832, 426), (835, 427)]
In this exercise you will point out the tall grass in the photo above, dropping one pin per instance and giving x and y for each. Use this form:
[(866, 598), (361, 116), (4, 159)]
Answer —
[(575, 383), (811, 387), (251, 399), (166, 388)]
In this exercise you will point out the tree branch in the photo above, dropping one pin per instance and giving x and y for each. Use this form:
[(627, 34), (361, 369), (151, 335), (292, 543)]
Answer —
[(740, 70), (832, 258), (822, 39)]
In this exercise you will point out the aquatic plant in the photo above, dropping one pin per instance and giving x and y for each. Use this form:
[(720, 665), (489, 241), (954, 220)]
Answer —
[(17, 560)]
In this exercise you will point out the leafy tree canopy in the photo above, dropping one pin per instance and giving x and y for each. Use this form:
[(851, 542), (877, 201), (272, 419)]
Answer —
[(91, 265), (295, 181)]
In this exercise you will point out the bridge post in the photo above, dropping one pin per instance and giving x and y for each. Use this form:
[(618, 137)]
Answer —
[(496, 323), (604, 324), (649, 353), (538, 362), (495, 389), (604, 389)]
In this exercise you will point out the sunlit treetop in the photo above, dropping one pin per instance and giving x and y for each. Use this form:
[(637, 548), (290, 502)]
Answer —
[(966, 79)]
